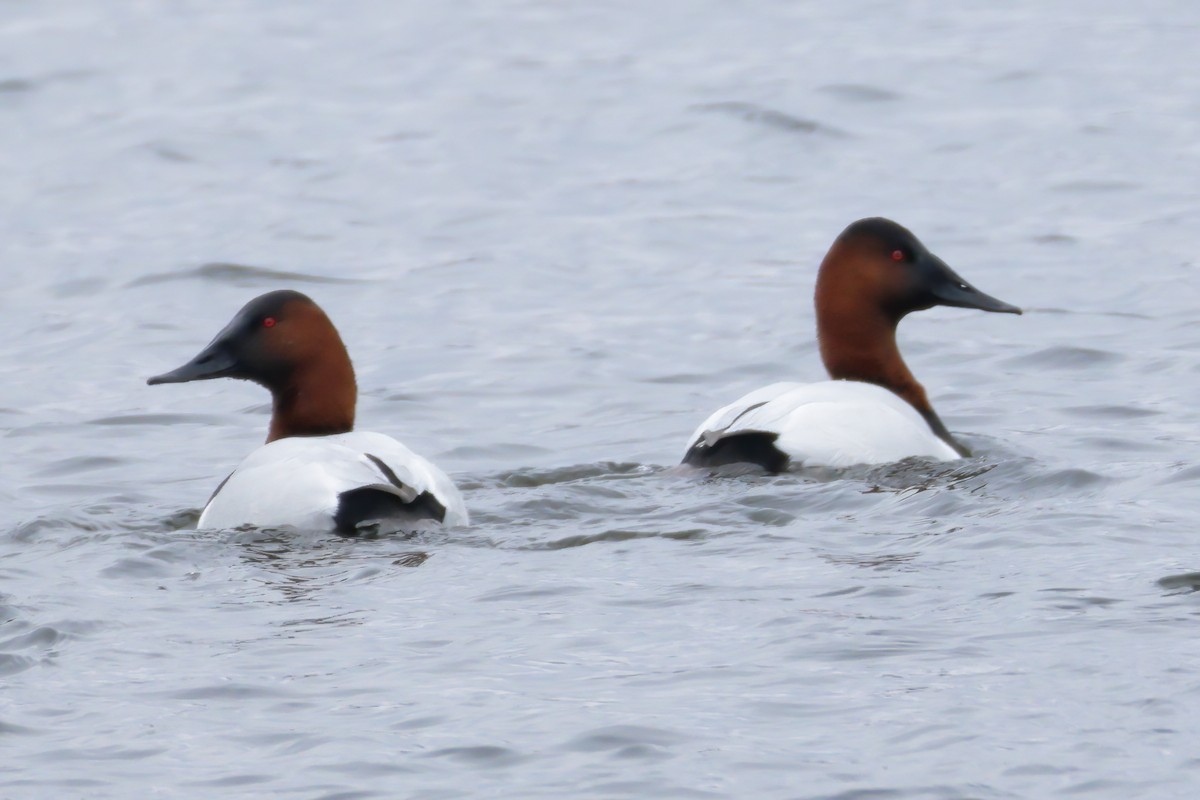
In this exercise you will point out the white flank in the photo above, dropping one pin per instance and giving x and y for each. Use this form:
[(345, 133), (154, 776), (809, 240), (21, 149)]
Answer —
[(296, 481), (831, 424)]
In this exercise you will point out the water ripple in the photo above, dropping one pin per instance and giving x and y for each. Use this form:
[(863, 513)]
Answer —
[(238, 275), (1065, 357), (860, 93), (769, 117), (481, 756)]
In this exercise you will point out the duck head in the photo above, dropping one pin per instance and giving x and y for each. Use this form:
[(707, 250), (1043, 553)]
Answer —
[(284, 342), (878, 267), (875, 274)]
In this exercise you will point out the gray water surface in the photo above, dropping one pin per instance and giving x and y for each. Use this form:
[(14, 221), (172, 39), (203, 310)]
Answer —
[(555, 237)]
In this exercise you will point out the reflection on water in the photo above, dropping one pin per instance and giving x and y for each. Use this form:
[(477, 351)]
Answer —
[(301, 565)]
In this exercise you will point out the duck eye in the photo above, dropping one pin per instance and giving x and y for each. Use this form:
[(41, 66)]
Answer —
[(269, 322), (897, 255)]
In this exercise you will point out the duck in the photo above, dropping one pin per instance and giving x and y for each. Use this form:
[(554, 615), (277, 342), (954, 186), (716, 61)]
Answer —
[(872, 410), (315, 472)]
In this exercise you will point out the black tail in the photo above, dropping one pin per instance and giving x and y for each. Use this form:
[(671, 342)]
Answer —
[(745, 447), (368, 504)]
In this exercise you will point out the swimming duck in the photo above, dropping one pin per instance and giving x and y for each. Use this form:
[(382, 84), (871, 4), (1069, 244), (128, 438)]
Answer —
[(315, 471), (873, 411)]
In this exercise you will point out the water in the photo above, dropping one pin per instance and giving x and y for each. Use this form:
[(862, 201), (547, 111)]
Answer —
[(554, 238)]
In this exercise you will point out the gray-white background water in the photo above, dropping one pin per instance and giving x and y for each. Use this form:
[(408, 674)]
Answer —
[(555, 236)]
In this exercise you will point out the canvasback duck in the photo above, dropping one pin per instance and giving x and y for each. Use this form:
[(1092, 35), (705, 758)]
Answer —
[(873, 411), (315, 471)]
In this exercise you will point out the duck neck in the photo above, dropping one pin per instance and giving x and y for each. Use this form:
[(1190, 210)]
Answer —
[(316, 400), (861, 346)]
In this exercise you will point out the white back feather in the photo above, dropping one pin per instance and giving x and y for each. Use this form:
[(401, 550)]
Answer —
[(831, 424), (296, 481)]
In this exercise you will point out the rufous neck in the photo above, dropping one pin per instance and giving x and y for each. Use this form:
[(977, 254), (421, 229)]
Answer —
[(316, 400), (865, 349), (862, 347)]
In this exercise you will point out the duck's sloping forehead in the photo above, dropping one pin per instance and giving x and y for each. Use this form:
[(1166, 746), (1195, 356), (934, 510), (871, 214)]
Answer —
[(878, 228), (272, 303)]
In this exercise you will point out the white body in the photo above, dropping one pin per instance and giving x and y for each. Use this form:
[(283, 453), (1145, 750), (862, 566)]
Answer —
[(831, 424), (296, 482)]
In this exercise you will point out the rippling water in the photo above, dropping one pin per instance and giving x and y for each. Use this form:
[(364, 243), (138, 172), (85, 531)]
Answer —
[(555, 237)]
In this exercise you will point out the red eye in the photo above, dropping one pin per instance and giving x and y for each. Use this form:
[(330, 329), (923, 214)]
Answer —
[(269, 322), (897, 255)]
